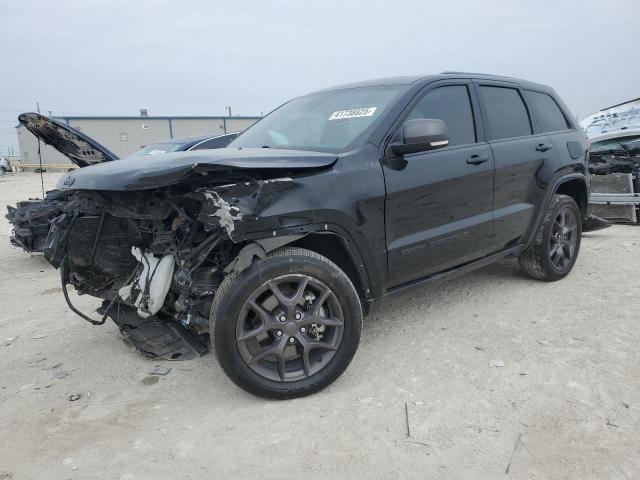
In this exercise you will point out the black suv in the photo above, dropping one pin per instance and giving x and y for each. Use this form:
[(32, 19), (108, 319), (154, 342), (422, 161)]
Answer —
[(277, 246)]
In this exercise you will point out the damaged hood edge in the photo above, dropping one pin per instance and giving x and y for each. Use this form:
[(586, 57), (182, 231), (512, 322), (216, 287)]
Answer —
[(173, 168)]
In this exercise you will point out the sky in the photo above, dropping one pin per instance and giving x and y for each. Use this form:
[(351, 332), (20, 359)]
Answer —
[(196, 57)]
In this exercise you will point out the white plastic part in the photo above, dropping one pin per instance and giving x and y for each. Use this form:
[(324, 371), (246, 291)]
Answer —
[(160, 271)]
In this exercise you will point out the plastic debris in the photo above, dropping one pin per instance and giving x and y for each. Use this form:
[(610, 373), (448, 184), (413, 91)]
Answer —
[(160, 370)]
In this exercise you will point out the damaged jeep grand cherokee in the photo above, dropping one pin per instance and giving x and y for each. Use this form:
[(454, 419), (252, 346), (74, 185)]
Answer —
[(277, 246)]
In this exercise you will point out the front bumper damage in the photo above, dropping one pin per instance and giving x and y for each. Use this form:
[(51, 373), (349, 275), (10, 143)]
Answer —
[(31, 218), (156, 259)]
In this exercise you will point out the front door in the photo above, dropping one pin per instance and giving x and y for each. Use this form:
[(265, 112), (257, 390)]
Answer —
[(438, 211)]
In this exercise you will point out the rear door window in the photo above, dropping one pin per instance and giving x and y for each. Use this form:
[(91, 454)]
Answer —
[(452, 105), (548, 112), (506, 113)]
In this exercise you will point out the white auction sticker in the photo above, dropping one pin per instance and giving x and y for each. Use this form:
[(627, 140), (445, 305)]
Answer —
[(353, 113)]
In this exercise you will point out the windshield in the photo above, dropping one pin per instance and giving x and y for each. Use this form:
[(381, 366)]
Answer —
[(158, 149), (327, 121)]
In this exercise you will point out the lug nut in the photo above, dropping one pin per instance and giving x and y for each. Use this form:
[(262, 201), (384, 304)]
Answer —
[(282, 317), (302, 330), (291, 339), (298, 315), (278, 333)]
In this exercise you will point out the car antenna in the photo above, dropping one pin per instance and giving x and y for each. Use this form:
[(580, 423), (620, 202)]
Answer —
[(40, 156)]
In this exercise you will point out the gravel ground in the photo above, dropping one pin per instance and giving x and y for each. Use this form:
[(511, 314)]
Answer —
[(499, 377)]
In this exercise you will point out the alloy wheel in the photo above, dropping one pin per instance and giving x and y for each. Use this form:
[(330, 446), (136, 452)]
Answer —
[(562, 243), (289, 328)]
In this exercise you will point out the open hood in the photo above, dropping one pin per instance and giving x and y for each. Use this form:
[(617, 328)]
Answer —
[(144, 173), (73, 144)]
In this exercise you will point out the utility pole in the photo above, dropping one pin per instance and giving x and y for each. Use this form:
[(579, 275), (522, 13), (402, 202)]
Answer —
[(228, 110), (40, 157)]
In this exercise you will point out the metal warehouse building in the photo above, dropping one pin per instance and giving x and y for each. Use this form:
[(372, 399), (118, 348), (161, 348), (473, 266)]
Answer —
[(125, 135)]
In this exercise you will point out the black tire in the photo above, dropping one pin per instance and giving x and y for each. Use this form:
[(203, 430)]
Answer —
[(537, 261), (233, 299)]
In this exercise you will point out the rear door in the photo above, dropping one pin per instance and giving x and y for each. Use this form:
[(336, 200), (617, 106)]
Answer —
[(520, 158), (550, 120), (438, 208)]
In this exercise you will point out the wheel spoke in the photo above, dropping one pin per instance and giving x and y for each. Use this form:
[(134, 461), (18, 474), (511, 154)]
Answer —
[(328, 321), (558, 227), (302, 286), (265, 316), (282, 362), (254, 332), (317, 304), (306, 361), (276, 348), (289, 303), (308, 345), (275, 289), (568, 251)]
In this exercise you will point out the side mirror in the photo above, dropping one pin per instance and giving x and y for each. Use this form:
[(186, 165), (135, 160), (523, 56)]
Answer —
[(420, 135)]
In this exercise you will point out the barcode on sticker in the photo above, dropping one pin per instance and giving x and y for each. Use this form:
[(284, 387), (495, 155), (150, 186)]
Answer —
[(353, 113)]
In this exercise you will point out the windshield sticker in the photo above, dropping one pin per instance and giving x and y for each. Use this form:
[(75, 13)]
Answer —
[(353, 113)]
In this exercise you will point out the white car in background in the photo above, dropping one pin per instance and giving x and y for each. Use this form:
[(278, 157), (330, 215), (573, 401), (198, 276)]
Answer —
[(5, 165)]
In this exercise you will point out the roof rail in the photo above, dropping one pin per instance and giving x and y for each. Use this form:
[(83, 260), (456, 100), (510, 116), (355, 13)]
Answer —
[(450, 72)]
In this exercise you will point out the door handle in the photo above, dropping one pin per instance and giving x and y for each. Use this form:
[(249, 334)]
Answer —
[(477, 159), (543, 147)]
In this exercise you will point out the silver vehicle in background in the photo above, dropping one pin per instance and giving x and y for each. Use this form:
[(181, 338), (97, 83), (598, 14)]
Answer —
[(5, 165), (614, 162)]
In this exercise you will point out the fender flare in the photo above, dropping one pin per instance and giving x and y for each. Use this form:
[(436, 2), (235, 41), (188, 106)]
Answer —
[(547, 199)]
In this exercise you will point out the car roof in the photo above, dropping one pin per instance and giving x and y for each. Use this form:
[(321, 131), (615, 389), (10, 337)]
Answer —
[(409, 80)]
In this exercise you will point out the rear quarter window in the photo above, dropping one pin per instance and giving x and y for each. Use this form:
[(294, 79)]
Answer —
[(506, 113), (547, 111)]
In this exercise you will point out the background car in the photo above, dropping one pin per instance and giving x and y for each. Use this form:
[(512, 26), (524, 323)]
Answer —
[(5, 165)]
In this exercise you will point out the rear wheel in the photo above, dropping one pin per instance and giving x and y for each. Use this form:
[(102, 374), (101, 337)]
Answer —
[(287, 326), (556, 247)]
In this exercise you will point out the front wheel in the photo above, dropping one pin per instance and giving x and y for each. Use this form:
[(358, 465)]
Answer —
[(555, 248), (287, 326)]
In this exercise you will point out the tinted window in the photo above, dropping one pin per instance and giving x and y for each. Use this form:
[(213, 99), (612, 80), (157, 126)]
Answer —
[(548, 113), (450, 104), (506, 113)]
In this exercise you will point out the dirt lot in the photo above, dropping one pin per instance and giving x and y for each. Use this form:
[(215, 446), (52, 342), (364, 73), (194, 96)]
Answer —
[(495, 370)]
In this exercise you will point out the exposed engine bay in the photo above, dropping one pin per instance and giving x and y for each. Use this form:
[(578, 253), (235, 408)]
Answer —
[(155, 258), (615, 183)]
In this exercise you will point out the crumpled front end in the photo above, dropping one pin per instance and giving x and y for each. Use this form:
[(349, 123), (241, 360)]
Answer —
[(30, 220), (155, 258)]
